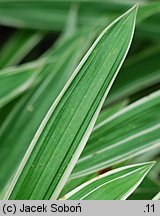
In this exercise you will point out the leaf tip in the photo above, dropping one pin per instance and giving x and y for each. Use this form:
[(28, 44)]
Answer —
[(134, 10), (149, 165)]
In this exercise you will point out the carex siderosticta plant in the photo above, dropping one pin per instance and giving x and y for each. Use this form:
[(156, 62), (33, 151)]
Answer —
[(79, 100)]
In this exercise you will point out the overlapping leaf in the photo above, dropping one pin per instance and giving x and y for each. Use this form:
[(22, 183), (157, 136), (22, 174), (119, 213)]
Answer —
[(109, 111), (129, 132), (64, 131), (15, 83), (141, 71), (114, 185), (16, 80), (71, 184), (52, 15), (18, 46), (23, 121)]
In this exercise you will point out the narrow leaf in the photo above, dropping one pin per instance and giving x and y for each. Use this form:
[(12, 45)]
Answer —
[(114, 185), (107, 112), (18, 46), (141, 71), (12, 84), (126, 134), (72, 184), (65, 129), (22, 122), (52, 15)]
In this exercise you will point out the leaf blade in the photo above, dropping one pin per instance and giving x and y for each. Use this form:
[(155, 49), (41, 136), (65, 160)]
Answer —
[(143, 71), (61, 147), (23, 121), (117, 184), (17, 47), (122, 136)]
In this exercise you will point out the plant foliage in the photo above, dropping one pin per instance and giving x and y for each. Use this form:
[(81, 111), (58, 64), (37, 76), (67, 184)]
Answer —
[(67, 130)]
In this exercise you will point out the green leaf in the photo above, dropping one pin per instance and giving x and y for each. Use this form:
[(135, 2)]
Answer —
[(14, 82), (18, 46), (22, 122), (126, 134), (140, 71), (113, 185), (148, 156), (71, 24), (107, 112), (72, 184), (52, 15), (65, 129)]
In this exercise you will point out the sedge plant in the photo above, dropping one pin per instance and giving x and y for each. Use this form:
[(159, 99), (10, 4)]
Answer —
[(80, 119)]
